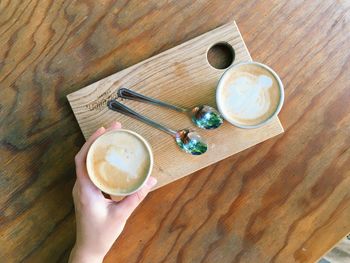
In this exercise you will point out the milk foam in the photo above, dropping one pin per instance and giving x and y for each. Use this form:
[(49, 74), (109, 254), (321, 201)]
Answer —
[(248, 96), (123, 159)]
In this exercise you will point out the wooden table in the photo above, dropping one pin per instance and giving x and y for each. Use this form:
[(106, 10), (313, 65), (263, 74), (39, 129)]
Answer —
[(285, 200)]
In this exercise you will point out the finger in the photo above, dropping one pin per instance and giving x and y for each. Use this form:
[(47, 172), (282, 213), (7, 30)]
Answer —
[(75, 190), (129, 204), (87, 186), (85, 189), (81, 156), (114, 126), (80, 164)]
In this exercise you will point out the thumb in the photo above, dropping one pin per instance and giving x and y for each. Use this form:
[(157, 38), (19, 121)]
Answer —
[(129, 204)]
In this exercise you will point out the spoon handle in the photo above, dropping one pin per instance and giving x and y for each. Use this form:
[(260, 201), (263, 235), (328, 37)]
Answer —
[(132, 95), (121, 108)]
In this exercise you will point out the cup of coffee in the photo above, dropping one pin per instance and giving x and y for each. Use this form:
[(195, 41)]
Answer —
[(119, 162), (249, 94)]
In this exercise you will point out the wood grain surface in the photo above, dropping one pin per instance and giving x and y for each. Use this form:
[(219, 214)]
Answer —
[(285, 200), (181, 75)]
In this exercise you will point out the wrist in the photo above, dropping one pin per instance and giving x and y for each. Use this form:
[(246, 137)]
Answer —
[(81, 255)]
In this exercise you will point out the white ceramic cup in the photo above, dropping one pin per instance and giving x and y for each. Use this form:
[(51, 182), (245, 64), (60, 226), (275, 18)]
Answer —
[(115, 194), (220, 87)]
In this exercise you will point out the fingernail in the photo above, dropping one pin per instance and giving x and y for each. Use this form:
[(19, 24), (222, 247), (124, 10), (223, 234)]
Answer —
[(115, 124), (152, 181), (101, 129)]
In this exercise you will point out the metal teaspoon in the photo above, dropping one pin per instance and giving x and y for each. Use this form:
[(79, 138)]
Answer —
[(203, 116), (189, 141)]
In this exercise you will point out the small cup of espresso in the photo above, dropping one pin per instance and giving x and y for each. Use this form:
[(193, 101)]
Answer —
[(119, 162), (249, 95)]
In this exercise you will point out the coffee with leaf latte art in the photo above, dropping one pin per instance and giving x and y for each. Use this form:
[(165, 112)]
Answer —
[(118, 162), (249, 94)]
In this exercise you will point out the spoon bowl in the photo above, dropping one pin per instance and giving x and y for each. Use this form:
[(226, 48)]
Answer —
[(191, 142), (206, 117)]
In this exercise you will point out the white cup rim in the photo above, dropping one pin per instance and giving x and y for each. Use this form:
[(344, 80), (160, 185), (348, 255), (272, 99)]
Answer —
[(220, 87), (116, 193)]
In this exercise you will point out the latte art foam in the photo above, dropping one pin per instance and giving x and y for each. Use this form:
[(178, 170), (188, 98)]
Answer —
[(249, 94), (121, 158), (119, 162)]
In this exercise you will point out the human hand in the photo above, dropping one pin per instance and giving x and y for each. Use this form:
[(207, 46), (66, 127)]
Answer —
[(99, 220)]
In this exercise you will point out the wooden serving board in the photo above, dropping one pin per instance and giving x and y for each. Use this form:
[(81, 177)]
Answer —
[(181, 75)]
